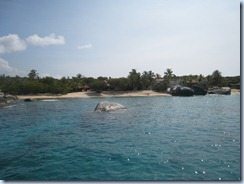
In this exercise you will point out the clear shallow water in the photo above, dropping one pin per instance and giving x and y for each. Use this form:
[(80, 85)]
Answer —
[(157, 138)]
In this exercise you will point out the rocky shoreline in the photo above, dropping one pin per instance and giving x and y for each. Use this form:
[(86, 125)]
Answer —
[(6, 99), (91, 94)]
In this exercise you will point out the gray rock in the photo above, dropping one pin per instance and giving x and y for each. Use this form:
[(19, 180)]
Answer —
[(105, 106), (11, 97), (2, 100), (28, 100), (181, 91), (220, 91), (7, 99), (199, 90)]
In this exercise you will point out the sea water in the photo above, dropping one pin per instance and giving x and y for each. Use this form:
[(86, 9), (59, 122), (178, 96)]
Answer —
[(156, 138)]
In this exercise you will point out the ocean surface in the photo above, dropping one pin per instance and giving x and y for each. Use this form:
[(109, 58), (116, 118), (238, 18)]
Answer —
[(156, 138)]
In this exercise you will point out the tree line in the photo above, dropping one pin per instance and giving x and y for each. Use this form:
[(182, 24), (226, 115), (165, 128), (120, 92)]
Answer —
[(33, 84)]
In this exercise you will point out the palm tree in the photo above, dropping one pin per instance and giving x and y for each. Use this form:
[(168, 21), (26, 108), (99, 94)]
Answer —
[(216, 78), (158, 76), (134, 79), (147, 79), (200, 78), (33, 74), (169, 73), (151, 75), (79, 76)]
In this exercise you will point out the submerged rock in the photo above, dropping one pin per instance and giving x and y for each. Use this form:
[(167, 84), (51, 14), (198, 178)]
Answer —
[(105, 106)]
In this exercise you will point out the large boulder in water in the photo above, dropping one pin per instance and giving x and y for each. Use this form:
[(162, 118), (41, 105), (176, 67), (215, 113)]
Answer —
[(182, 91), (105, 106)]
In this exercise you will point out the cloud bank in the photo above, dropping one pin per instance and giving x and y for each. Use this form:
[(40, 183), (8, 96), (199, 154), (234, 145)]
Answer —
[(6, 69), (11, 43), (52, 39), (86, 46)]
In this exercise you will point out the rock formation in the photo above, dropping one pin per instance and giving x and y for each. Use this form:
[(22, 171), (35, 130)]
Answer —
[(182, 91), (220, 91), (28, 100), (6, 99), (199, 91), (105, 106)]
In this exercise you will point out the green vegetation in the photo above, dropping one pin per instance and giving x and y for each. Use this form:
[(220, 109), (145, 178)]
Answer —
[(216, 78), (33, 84)]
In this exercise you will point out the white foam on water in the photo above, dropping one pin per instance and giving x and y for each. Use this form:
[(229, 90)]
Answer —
[(9, 106), (50, 100)]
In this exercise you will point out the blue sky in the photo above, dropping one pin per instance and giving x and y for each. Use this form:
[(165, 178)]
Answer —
[(111, 37)]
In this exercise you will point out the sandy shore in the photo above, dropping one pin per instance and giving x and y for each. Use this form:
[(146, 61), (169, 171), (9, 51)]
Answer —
[(91, 94), (235, 91)]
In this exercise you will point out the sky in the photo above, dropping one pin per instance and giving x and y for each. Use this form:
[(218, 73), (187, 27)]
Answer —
[(111, 37)]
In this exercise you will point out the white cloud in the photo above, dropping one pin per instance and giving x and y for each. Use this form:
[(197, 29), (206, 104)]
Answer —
[(11, 43), (6, 69), (86, 46), (52, 39)]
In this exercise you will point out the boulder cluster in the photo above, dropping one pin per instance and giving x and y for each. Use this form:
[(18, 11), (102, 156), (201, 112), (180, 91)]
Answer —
[(196, 90), (186, 91), (6, 99), (220, 91)]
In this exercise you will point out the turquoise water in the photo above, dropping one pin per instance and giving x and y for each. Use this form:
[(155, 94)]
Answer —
[(156, 138)]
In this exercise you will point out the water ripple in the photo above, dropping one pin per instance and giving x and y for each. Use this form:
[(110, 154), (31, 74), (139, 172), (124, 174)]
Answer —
[(157, 138)]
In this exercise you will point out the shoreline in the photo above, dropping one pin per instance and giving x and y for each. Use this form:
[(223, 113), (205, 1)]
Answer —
[(92, 94)]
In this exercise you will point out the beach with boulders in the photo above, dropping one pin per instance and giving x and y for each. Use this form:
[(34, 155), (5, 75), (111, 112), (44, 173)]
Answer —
[(93, 94)]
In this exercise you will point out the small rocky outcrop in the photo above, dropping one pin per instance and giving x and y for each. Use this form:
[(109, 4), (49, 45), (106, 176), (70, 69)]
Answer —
[(181, 91), (105, 106), (28, 100), (6, 99), (220, 91)]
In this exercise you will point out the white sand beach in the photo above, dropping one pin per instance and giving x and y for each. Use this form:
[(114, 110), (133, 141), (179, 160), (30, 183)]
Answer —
[(91, 94)]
